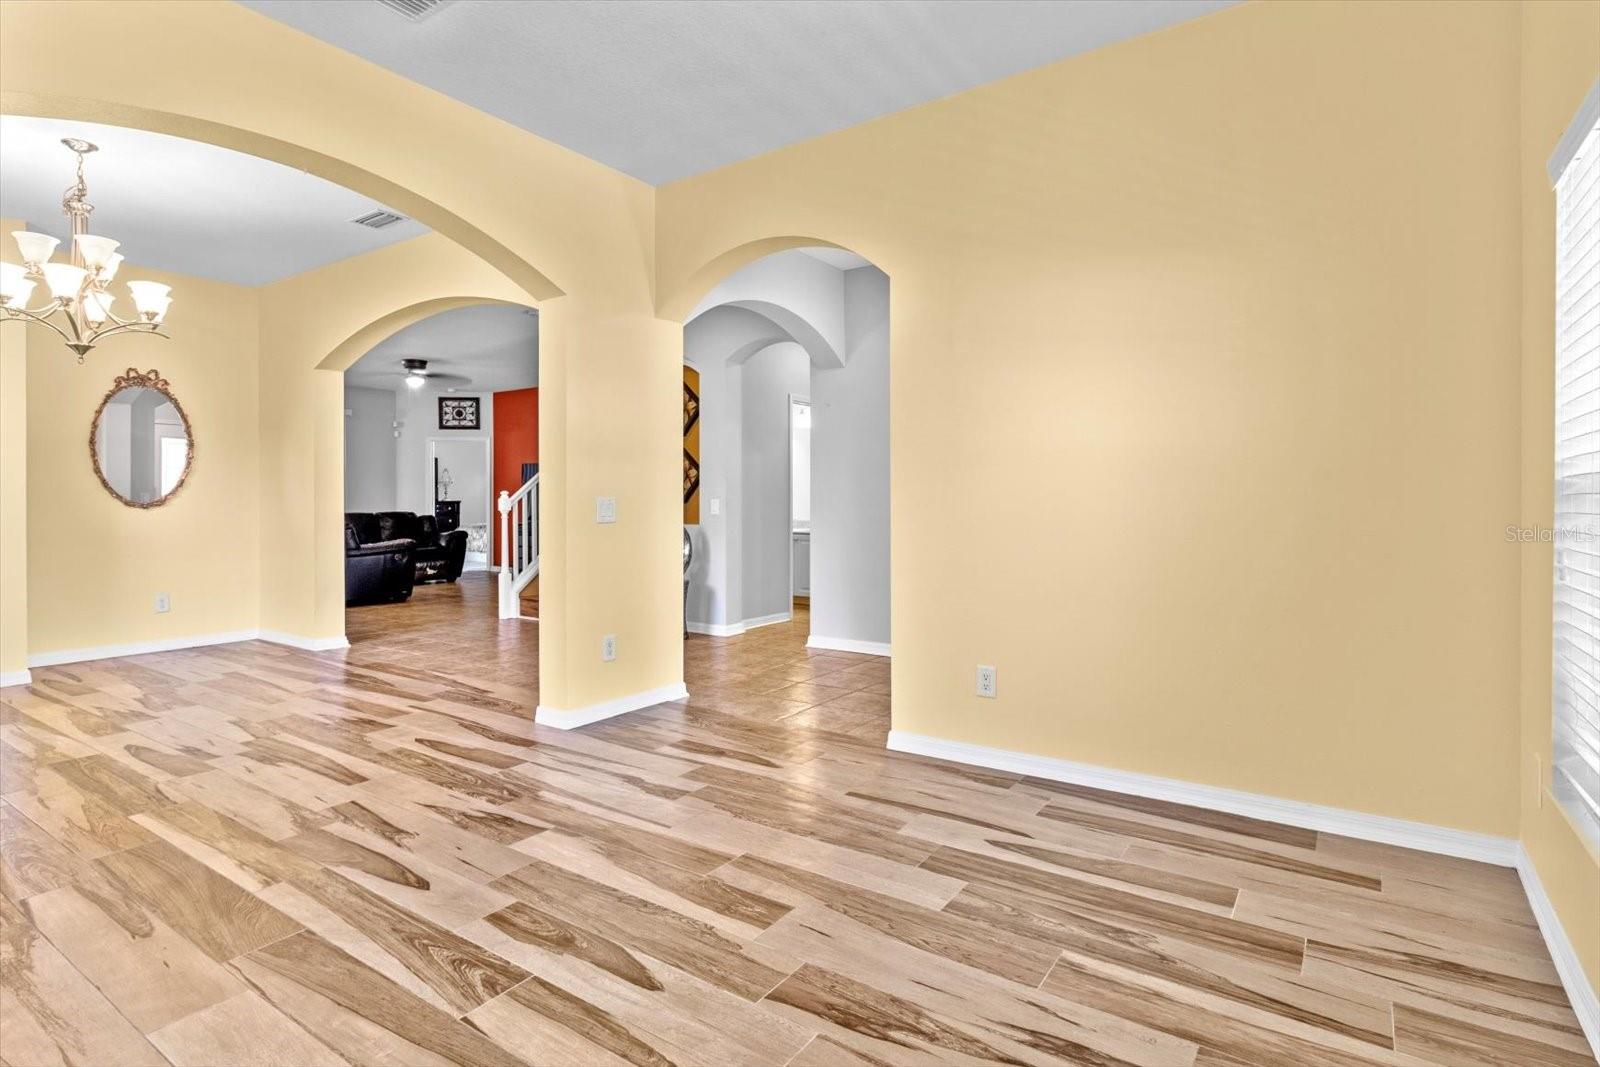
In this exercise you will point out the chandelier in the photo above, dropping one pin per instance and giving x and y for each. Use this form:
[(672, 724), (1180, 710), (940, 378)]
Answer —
[(81, 304)]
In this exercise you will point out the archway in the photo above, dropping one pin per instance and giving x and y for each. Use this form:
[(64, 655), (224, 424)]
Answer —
[(580, 238), (525, 275), (362, 301), (441, 419), (788, 333), (678, 304)]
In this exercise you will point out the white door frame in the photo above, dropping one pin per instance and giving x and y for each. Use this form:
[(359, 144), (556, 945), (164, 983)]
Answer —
[(788, 450), (488, 482)]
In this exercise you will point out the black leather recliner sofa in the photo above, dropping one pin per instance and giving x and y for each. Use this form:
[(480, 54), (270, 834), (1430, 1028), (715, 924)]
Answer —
[(376, 572), (435, 558)]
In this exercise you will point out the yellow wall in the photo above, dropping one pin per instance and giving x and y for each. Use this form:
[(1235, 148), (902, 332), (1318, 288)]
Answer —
[(1239, 309), (574, 235), (1233, 311), (94, 564), (13, 492), (1560, 61)]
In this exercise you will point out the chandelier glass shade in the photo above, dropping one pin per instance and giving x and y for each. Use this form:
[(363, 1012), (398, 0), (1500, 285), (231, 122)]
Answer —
[(79, 304)]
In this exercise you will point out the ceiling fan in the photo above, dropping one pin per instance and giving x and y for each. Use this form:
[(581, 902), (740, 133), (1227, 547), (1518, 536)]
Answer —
[(417, 375)]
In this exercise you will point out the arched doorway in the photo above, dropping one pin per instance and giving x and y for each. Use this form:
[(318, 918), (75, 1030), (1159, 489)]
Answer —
[(441, 422), (567, 234), (791, 531), (341, 308)]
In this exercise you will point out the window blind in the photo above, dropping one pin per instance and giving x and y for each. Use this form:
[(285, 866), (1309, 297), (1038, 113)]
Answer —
[(1575, 754)]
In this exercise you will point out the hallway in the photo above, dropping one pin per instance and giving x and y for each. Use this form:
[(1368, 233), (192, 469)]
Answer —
[(770, 676)]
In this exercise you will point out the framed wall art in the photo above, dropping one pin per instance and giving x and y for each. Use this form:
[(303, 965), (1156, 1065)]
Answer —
[(458, 413)]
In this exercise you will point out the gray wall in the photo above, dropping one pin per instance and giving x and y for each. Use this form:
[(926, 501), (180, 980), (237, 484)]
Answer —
[(716, 344), (465, 460), (418, 411), (850, 472), (369, 449), (769, 377)]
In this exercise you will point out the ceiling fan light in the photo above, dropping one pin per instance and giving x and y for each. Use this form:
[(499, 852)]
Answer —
[(36, 248), (64, 279), (415, 381), (96, 251)]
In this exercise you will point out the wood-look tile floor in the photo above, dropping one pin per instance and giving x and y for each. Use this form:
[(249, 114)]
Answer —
[(251, 854)]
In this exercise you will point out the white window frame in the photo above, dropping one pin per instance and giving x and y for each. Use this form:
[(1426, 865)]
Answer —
[(1575, 609)]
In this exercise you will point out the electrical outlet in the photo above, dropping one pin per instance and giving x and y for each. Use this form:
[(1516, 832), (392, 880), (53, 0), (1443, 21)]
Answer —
[(986, 682), (605, 509), (163, 603), (608, 647)]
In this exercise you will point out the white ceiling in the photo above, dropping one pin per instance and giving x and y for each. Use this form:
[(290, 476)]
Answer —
[(662, 89), (185, 206), (491, 346)]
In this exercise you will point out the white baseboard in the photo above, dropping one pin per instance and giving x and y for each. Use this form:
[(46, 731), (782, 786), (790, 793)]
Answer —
[(138, 648), (848, 644), (1585, 1003), (570, 718), (21, 677), (734, 629), (1464, 844), (174, 644), (309, 644), (716, 629)]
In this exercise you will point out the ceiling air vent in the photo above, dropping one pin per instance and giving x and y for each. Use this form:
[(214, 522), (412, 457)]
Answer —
[(415, 10), (377, 220)]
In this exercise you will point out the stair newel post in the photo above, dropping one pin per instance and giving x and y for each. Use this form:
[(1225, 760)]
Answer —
[(507, 593)]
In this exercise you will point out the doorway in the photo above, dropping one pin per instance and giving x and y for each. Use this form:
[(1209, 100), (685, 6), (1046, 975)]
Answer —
[(792, 359), (461, 473), (799, 501)]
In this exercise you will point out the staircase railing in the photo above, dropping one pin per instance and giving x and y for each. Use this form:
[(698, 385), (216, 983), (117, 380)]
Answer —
[(519, 545)]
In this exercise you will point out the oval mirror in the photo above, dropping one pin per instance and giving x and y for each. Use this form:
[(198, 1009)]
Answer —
[(140, 442)]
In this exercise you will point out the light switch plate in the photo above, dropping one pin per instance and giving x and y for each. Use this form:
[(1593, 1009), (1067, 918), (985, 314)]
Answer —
[(713, 506), (605, 509), (163, 603)]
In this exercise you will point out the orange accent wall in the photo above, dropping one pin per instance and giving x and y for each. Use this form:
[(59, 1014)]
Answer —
[(516, 441)]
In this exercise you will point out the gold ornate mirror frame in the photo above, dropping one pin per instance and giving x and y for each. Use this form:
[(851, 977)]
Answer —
[(133, 379)]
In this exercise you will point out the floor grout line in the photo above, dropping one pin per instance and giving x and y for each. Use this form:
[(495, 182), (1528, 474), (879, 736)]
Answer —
[(780, 981), (1060, 955)]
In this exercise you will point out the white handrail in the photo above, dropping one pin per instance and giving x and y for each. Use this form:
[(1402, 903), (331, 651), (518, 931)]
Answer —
[(519, 544)]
